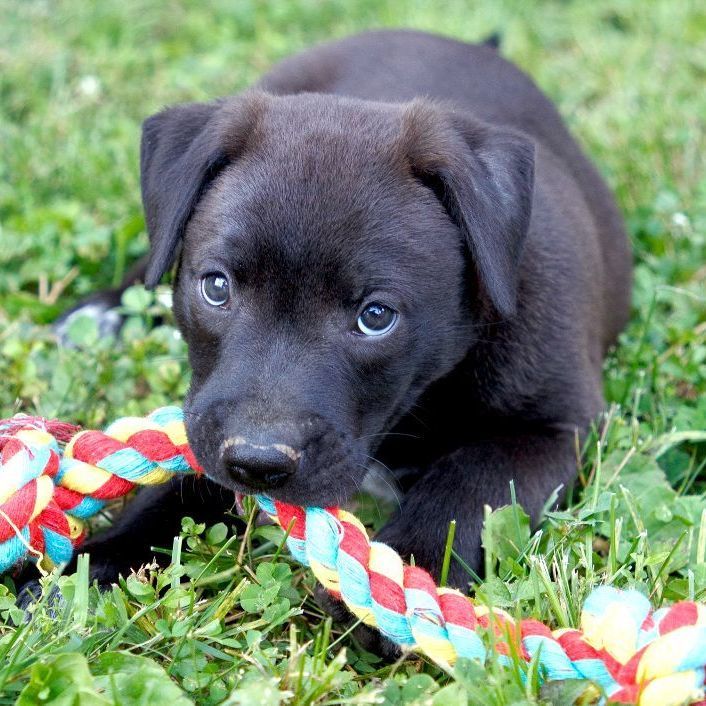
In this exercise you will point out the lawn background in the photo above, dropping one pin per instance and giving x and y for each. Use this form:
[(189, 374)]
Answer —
[(76, 80)]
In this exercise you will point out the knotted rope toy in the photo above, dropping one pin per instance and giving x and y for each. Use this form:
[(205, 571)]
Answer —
[(635, 655)]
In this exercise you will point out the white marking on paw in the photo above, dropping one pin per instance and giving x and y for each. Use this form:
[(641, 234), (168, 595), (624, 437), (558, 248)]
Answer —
[(106, 317)]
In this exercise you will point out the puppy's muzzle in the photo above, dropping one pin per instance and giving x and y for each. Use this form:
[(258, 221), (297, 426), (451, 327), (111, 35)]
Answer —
[(260, 465)]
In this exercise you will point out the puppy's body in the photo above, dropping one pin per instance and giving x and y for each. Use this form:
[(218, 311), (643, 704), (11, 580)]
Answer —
[(435, 175)]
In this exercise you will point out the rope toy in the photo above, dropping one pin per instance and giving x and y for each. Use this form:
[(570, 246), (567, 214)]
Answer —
[(636, 655)]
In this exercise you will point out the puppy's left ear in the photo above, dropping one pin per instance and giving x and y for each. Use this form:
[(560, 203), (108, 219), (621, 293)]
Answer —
[(183, 150), (484, 178)]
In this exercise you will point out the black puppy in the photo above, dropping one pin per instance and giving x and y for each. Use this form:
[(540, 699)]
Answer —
[(391, 248)]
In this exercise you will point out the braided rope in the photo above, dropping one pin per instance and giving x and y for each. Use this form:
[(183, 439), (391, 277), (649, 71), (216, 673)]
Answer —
[(635, 655)]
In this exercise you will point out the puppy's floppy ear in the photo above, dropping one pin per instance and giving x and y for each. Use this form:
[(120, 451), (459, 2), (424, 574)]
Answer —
[(484, 178), (183, 149)]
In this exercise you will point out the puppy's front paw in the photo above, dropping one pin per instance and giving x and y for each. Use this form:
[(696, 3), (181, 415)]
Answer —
[(368, 638), (423, 544)]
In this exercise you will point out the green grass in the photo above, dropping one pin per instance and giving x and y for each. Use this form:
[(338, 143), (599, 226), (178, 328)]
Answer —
[(232, 621)]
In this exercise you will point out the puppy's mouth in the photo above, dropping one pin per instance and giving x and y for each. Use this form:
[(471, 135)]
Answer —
[(323, 467), (330, 487), (265, 486)]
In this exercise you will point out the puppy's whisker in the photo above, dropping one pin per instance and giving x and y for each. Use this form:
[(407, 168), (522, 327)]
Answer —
[(362, 492), (386, 434), (384, 478)]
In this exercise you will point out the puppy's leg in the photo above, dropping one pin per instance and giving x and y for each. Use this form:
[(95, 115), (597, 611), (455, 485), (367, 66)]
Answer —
[(458, 486), (153, 519)]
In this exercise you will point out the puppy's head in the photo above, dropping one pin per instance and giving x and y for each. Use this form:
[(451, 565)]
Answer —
[(334, 258)]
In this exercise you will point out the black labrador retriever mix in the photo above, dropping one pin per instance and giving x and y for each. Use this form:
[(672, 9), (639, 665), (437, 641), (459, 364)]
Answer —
[(391, 248)]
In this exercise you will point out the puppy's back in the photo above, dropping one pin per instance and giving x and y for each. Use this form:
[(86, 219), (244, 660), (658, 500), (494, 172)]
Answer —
[(399, 65)]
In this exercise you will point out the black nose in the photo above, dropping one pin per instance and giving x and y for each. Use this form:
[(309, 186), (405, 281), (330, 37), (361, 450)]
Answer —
[(259, 466)]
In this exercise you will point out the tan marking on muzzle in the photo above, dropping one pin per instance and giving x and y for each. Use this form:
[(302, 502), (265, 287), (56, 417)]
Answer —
[(242, 441)]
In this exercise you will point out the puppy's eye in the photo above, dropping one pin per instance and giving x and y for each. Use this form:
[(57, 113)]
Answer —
[(376, 319), (215, 288)]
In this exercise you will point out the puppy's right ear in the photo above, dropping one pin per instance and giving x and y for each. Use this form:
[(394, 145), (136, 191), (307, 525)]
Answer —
[(483, 175), (182, 151)]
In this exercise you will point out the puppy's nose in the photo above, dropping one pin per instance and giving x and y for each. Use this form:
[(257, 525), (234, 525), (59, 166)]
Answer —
[(259, 466)]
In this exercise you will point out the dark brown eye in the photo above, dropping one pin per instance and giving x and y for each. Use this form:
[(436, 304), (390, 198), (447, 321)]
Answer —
[(376, 319), (215, 288)]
